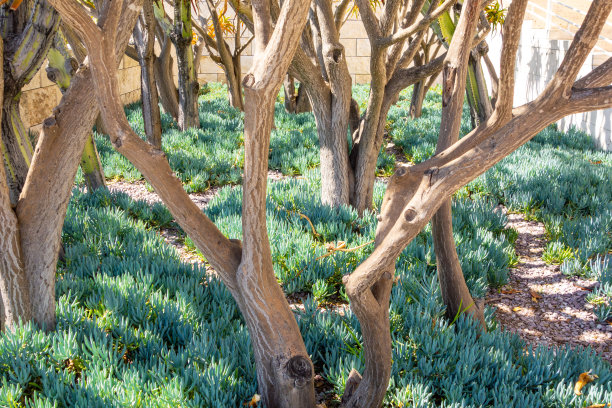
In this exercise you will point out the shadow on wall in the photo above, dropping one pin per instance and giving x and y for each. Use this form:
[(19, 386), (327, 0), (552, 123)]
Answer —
[(544, 57)]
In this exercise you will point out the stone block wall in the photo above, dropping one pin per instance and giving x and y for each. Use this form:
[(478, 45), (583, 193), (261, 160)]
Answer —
[(40, 96)]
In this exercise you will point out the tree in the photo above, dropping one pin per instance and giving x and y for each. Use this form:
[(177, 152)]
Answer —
[(31, 235), (28, 33), (60, 70), (144, 40), (219, 25), (414, 195), (181, 36)]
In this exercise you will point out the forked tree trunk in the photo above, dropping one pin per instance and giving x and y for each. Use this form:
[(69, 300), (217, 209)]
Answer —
[(168, 94), (44, 199), (182, 37), (284, 370), (144, 35), (230, 63)]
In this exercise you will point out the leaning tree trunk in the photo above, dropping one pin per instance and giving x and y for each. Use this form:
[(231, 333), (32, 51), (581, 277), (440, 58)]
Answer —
[(285, 372), (144, 33), (182, 37), (27, 42), (60, 70), (455, 293)]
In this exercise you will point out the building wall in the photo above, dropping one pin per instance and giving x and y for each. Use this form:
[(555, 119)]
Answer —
[(545, 38), (40, 96), (546, 35)]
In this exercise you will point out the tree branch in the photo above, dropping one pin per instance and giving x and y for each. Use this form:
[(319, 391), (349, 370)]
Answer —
[(418, 26), (585, 39)]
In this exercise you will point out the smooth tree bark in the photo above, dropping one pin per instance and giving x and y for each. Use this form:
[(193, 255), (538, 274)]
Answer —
[(144, 41), (182, 36), (455, 293), (27, 38)]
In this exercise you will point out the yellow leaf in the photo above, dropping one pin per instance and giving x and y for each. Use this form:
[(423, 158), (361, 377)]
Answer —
[(598, 406), (517, 308), (584, 379)]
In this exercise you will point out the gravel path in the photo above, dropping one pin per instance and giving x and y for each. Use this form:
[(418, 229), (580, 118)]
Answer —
[(542, 305), (539, 303)]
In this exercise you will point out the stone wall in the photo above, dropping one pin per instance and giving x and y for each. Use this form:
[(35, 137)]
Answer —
[(40, 96), (352, 36)]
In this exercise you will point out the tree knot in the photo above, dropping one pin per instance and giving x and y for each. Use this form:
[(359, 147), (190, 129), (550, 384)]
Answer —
[(300, 370), (410, 214)]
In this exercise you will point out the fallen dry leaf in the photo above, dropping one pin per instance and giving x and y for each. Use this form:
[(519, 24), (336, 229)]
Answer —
[(583, 287), (584, 379), (535, 295), (598, 406), (509, 291), (253, 402), (517, 308)]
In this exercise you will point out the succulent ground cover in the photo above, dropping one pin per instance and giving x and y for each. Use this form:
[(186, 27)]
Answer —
[(137, 327)]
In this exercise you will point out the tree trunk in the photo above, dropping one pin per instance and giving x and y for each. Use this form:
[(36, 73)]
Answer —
[(168, 94), (92, 166), (30, 37), (15, 139), (14, 293), (44, 199), (455, 293), (416, 102), (284, 371), (295, 103), (60, 70), (144, 35), (181, 36)]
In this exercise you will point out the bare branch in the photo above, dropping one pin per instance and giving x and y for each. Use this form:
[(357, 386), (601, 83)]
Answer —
[(418, 26), (582, 44), (369, 19), (510, 42), (77, 18), (600, 76), (340, 12)]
